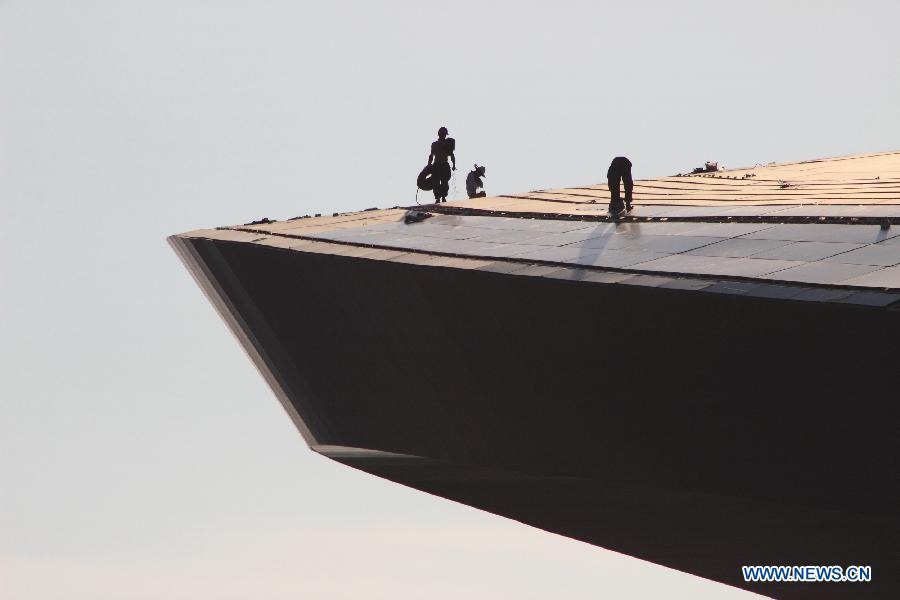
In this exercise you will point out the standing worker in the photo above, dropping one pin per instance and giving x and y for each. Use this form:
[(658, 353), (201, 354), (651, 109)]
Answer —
[(441, 150), (619, 172), (473, 182)]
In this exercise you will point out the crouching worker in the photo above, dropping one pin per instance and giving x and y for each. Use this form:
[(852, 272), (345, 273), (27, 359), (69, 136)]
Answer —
[(473, 182), (619, 172)]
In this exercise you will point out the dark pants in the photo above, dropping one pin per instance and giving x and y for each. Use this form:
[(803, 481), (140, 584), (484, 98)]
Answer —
[(441, 179), (615, 179)]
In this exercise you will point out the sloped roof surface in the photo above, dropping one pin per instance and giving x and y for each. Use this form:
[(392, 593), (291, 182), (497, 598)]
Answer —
[(831, 223)]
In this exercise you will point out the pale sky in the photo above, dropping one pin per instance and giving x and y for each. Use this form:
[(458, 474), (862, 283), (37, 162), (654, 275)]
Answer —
[(141, 454)]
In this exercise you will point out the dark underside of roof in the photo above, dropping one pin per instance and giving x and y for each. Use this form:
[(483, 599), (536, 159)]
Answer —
[(700, 431)]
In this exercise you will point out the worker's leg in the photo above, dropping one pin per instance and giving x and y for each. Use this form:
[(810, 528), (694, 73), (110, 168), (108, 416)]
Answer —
[(615, 200), (442, 185), (447, 175), (629, 186), (436, 179)]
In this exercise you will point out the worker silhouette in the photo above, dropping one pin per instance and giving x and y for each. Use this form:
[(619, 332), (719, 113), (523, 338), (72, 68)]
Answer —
[(442, 149), (473, 182), (619, 172)]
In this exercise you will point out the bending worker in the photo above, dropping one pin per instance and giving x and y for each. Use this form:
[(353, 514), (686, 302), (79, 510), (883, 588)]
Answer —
[(441, 150), (619, 172), (473, 182)]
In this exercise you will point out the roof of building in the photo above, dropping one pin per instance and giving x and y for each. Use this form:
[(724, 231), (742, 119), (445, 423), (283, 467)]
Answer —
[(823, 230)]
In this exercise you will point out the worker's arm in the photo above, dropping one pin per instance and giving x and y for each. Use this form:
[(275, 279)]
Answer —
[(627, 180), (453, 158), (430, 157)]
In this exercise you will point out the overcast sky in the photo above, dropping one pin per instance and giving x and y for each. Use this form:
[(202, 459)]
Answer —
[(141, 454)]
